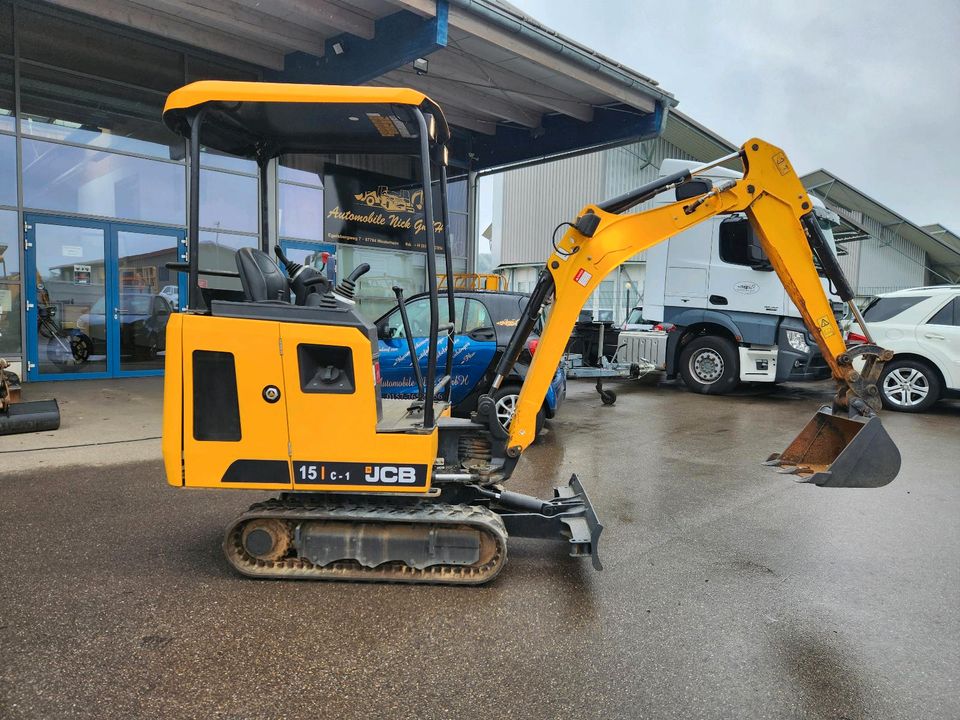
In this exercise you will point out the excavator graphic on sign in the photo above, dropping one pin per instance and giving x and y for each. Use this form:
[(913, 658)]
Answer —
[(402, 201)]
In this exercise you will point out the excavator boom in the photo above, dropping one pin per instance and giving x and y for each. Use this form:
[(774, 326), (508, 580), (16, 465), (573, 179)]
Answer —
[(775, 201)]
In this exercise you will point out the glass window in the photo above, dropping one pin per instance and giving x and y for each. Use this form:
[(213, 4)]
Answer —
[(9, 247), (10, 338), (949, 314), (91, 182), (223, 161), (61, 106), (8, 170), (303, 169), (75, 44), (885, 308), (301, 212), (6, 95), (735, 238), (475, 317), (418, 315), (228, 201), (218, 251), (387, 268)]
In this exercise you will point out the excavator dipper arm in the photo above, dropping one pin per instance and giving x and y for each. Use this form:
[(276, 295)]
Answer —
[(773, 198)]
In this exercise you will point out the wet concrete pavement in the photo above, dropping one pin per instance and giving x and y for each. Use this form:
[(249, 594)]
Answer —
[(728, 590)]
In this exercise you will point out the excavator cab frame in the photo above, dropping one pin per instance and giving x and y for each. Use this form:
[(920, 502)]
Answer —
[(262, 121)]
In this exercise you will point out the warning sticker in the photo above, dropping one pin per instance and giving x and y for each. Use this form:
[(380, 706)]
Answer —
[(383, 124), (826, 327), (780, 160), (582, 277)]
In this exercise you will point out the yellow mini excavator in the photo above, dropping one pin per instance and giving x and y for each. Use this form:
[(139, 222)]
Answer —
[(278, 389)]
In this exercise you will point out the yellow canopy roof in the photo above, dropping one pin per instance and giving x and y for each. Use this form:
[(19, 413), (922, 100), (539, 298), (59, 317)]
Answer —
[(243, 117)]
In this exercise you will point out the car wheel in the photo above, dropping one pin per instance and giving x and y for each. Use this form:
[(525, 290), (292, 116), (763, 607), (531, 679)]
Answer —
[(909, 386), (504, 406), (710, 364)]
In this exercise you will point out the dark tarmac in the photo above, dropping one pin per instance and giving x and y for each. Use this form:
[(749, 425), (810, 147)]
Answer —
[(728, 591)]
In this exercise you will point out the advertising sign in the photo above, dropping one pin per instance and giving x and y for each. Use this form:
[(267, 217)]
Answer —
[(362, 208)]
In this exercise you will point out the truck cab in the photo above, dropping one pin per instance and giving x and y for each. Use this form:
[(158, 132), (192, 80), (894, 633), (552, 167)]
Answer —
[(730, 319)]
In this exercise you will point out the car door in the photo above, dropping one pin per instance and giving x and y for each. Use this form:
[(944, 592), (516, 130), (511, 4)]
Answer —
[(396, 367), (474, 349), (940, 339)]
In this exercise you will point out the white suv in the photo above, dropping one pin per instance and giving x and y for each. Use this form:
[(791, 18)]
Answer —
[(922, 327)]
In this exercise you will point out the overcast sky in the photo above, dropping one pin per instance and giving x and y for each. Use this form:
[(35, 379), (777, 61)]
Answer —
[(868, 89)]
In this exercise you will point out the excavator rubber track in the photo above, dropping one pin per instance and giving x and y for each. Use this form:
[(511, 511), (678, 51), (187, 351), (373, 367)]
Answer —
[(299, 532)]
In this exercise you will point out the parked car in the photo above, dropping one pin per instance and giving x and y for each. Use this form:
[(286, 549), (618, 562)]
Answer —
[(143, 325), (172, 295), (485, 321), (922, 327)]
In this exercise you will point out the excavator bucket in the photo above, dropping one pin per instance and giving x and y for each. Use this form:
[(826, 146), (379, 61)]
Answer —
[(837, 451)]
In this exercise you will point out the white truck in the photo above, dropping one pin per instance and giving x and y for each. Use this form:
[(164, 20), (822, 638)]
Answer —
[(724, 316)]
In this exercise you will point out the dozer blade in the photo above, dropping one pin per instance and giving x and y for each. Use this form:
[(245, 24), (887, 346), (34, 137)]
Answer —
[(27, 417), (837, 451)]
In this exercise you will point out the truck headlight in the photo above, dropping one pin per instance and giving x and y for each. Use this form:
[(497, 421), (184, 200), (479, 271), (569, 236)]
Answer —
[(797, 341)]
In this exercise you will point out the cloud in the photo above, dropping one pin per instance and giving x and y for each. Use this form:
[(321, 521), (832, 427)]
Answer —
[(866, 89)]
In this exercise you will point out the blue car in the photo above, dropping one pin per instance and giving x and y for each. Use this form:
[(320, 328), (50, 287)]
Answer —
[(485, 321)]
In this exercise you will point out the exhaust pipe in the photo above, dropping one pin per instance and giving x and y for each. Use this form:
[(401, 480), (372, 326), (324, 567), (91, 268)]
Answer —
[(843, 452)]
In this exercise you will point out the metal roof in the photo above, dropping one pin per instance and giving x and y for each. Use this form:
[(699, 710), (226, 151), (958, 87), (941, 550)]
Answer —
[(513, 89), (943, 249)]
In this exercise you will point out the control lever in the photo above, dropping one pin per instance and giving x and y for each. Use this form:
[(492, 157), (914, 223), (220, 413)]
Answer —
[(347, 286), (303, 279)]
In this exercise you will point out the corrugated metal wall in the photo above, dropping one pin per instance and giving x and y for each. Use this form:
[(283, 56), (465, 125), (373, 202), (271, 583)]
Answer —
[(883, 262), (537, 198), (888, 262)]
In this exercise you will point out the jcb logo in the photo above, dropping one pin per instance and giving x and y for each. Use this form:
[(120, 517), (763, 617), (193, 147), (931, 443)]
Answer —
[(390, 474)]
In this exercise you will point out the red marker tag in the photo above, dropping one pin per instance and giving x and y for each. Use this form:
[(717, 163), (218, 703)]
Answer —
[(582, 277)]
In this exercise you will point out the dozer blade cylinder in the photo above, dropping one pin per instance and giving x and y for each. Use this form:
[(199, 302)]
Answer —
[(837, 451)]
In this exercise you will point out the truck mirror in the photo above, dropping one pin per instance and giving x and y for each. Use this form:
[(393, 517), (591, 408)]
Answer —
[(756, 257)]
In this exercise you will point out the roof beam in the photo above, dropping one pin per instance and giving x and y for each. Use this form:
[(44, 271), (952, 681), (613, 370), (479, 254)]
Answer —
[(319, 16), (513, 146), (158, 23), (236, 19), (487, 30), (398, 39), (455, 65), (446, 91)]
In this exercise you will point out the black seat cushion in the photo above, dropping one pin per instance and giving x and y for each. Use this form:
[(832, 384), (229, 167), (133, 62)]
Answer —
[(260, 276)]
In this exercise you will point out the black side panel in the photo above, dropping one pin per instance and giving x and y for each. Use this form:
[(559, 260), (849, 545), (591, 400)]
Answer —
[(258, 471), (326, 369), (216, 407)]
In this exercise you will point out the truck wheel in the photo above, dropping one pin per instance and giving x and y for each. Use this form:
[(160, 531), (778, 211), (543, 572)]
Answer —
[(504, 406), (710, 365), (909, 386)]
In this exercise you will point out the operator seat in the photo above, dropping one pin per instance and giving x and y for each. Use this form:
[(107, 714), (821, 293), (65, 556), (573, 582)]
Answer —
[(262, 279)]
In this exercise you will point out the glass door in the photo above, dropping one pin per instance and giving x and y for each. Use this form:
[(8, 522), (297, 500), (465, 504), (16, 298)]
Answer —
[(99, 296), (146, 294), (67, 305)]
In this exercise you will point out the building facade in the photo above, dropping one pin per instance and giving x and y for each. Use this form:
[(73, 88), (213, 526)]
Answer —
[(93, 197)]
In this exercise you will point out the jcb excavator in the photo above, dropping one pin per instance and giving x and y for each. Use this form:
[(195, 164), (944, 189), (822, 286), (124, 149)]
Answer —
[(275, 393)]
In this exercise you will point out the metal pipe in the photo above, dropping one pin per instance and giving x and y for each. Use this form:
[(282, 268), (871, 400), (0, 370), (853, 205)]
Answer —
[(860, 321), (713, 163), (417, 374), (194, 297), (448, 264), (430, 380), (264, 205)]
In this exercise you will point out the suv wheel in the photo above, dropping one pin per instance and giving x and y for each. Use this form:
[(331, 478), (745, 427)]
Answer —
[(505, 405), (909, 386), (710, 364)]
